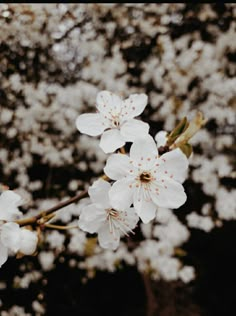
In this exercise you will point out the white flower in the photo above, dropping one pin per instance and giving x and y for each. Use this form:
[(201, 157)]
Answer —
[(28, 242), (9, 202), (147, 180), (14, 239), (101, 217), (168, 268), (46, 259), (114, 120), (9, 240), (173, 232), (161, 138), (187, 274), (201, 222)]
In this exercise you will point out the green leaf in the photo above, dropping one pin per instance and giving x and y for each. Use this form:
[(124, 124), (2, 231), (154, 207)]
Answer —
[(193, 127), (177, 131), (186, 149)]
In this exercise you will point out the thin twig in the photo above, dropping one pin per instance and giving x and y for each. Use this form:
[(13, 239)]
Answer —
[(34, 219), (59, 227), (151, 303), (122, 150)]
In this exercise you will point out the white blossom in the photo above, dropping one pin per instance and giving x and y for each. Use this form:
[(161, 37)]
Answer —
[(161, 138), (202, 222), (173, 231), (28, 241), (46, 259), (14, 239), (55, 240), (187, 274), (9, 203), (225, 204), (114, 120), (103, 218), (147, 180)]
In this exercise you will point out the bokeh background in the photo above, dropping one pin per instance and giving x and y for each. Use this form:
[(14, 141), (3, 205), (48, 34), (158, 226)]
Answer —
[(54, 59)]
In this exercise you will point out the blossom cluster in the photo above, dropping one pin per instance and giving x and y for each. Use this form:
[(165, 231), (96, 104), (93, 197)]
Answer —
[(141, 181), (134, 186)]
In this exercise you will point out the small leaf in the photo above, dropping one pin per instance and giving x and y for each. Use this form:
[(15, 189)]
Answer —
[(193, 127), (177, 131), (19, 255), (186, 149), (180, 252), (90, 246)]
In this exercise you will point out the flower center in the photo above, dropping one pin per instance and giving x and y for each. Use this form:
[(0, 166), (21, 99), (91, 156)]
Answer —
[(118, 223), (112, 213), (145, 177), (115, 120)]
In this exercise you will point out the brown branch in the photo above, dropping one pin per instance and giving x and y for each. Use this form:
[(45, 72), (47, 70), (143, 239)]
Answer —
[(34, 219), (59, 227), (151, 303)]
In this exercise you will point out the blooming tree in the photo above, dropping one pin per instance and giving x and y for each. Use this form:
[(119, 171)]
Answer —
[(55, 58)]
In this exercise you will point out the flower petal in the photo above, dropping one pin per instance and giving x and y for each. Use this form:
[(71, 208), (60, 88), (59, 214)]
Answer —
[(90, 124), (11, 236), (108, 239), (11, 197), (117, 166), (168, 193), (92, 218), (3, 254), (28, 242), (108, 102), (144, 152), (128, 220), (98, 193), (144, 206), (121, 194), (132, 128), (161, 138), (134, 105), (9, 202), (173, 164), (111, 140)]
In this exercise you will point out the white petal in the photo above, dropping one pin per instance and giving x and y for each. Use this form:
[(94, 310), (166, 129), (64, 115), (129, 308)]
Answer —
[(10, 196), (173, 164), (9, 202), (161, 138), (108, 102), (98, 193), (92, 218), (108, 239), (111, 140), (90, 124), (144, 152), (144, 206), (11, 236), (131, 217), (170, 193), (121, 194), (128, 220), (117, 166), (28, 242), (3, 254), (132, 129), (134, 105)]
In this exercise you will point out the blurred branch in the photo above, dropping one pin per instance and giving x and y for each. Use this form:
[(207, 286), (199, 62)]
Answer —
[(151, 303)]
